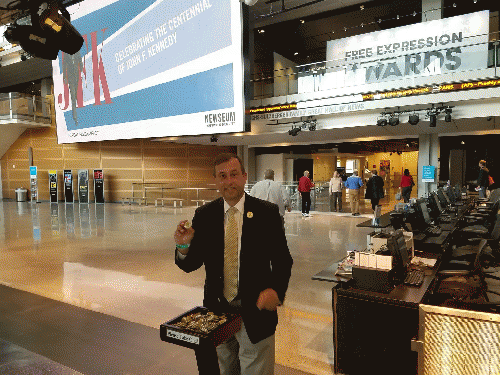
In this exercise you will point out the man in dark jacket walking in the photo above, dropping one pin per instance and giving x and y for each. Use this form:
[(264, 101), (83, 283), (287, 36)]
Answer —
[(375, 189)]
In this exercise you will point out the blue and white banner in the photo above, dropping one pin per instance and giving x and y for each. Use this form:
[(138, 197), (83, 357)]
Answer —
[(151, 69)]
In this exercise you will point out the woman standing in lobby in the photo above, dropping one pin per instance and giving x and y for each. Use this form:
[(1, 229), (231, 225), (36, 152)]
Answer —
[(406, 185)]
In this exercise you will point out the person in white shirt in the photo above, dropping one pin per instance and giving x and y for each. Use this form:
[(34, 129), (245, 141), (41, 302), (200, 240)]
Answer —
[(335, 189), (272, 191)]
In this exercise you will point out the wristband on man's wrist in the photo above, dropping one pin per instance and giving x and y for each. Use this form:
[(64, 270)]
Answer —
[(179, 246)]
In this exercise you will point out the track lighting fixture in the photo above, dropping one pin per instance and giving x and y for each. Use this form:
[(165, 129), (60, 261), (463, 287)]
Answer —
[(413, 119), (382, 121), (394, 120), (432, 119), (447, 117)]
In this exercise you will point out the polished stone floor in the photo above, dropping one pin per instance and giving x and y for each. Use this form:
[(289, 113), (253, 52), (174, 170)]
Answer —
[(117, 261)]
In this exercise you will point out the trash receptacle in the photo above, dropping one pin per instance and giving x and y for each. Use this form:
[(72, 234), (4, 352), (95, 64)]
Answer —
[(21, 195)]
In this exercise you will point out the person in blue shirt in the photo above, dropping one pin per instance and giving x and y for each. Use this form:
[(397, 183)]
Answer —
[(352, 185)]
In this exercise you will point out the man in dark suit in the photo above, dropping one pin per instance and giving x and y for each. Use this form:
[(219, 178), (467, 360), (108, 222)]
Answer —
[(241, 242)]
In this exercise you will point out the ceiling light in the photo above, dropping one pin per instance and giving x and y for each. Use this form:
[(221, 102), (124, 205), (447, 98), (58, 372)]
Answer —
[(296, 53), (397, 17), (362, 7), (462, 142), (302, 21), (393, 120), (413, 119), (262, 31)]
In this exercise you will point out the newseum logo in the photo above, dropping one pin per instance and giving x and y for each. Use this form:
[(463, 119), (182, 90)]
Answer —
[(220, 119)]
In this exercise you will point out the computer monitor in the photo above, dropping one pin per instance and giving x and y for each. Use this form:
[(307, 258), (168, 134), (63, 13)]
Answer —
[(450, 194), (425, 212), (438, 202), (442, 198), (397, 246)]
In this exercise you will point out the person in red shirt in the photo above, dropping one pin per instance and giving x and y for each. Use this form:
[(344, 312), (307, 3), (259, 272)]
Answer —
[(406, 185), (305, 186)]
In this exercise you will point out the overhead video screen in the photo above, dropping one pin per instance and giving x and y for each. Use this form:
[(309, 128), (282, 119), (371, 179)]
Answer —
[(152, 69)]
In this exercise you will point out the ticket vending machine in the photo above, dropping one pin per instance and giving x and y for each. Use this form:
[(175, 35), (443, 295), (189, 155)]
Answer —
[(68, 186), (98, 186), (83, 185), (53, 186)]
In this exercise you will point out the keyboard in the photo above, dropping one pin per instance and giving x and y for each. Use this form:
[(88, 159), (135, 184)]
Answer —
[(433, 231), (419, 236), (414, 277)]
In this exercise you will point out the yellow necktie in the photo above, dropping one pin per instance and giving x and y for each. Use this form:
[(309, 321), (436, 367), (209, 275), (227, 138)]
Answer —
[(231, 256)]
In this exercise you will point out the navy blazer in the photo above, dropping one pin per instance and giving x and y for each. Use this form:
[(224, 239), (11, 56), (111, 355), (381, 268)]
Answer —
[(265, 261)]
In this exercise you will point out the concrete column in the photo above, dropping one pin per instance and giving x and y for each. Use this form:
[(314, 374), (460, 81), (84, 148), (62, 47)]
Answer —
[(428, 154), (248, 156), (432, 10)]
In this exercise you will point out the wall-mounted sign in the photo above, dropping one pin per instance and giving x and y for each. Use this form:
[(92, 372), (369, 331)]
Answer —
[(53, 186), (428, 173), (326, 110), (440, 46)]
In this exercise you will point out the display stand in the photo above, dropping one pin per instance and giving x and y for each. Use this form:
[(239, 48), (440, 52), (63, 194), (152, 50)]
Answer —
[(83, 186), (98, 186), (53, 186), (34, 184), (68, 186), (203, 344)]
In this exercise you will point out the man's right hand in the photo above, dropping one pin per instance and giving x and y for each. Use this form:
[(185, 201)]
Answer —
[(183, 236)]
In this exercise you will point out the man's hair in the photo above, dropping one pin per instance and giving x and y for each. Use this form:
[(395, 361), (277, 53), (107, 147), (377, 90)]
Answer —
[(269, 174), (406, 172), (355, 172), (306, 173), (225, 157), (375, 172), (482, 162)]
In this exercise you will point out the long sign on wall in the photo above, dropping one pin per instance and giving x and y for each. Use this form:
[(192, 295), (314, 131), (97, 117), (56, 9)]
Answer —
[(423, 49), (152, 68)]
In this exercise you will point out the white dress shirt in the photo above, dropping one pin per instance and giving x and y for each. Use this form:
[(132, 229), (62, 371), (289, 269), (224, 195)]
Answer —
[(273, 192)]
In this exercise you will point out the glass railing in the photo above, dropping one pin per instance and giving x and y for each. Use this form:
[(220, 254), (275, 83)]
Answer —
[(372, 75), (22, 107), (320, 199)]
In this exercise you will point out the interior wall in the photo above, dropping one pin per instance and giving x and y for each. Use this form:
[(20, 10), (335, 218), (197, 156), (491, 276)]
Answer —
[(324, 166), (270, 161), (285, 82), (122, 161)]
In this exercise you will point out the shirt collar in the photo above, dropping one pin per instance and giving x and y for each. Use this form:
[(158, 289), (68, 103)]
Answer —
[(240, 206)]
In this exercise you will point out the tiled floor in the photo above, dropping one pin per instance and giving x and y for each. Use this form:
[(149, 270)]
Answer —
[(119, 261)]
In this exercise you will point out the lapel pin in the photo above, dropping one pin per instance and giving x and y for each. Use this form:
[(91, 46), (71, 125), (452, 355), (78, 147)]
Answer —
[(249, 214)]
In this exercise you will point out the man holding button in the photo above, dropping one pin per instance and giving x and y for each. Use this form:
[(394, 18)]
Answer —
[(241, 242)]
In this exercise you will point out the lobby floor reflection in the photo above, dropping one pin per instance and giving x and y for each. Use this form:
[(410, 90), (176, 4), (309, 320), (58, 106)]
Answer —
[(118, 260)]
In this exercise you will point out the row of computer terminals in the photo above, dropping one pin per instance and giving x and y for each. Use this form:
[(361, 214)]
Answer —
[(427, 217), (430, 216)]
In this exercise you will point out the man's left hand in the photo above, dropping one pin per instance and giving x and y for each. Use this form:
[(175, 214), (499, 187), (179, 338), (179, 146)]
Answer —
[(268, 300)]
